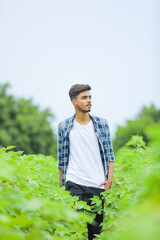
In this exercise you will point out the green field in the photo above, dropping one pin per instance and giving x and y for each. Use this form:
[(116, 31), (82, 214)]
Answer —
[(32, 206)]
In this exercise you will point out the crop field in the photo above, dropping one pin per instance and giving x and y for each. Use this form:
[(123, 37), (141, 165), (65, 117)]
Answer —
[(34, 207)]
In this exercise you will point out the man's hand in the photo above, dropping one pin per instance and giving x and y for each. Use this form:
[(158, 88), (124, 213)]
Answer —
[(107, 184)]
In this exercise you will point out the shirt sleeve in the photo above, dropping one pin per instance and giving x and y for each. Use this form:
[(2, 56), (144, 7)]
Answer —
[(59, 165), (110, 153)]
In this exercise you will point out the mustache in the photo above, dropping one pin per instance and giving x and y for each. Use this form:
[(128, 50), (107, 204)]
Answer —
[(89, 104)]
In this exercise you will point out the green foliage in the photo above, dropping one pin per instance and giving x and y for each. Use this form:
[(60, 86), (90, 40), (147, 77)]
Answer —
[(25, 126), (32, 206), (136, 141), (132, 204), (146, 117), (151, 113)]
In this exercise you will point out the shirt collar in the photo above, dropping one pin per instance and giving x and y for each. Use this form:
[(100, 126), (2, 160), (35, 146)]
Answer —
[(72, 120), (70, 125)]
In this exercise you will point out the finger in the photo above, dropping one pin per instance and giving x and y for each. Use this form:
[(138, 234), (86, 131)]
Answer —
[(103, 183)]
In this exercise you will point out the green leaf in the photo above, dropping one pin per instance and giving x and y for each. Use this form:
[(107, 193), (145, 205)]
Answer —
[(10, 147)]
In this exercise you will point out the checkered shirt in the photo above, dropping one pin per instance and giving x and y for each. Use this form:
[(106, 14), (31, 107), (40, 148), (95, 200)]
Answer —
[(102, 132)]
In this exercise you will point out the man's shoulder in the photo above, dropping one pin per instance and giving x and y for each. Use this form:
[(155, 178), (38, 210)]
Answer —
[(66, 122), (99, 120)]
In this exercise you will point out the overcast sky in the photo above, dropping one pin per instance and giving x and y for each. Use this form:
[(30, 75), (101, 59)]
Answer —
[(47, 46)]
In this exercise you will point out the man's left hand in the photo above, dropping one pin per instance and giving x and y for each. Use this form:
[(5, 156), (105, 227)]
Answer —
[(107, 184)]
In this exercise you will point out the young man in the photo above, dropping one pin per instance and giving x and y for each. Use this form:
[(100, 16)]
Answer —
[(85, 153)]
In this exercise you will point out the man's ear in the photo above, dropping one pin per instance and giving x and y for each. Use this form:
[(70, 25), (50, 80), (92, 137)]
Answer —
[(74, 102)]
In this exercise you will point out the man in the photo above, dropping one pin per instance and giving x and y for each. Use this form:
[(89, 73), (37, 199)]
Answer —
[(85, 153)]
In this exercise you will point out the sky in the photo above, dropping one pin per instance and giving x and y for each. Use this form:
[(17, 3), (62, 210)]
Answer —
[(47, 46)]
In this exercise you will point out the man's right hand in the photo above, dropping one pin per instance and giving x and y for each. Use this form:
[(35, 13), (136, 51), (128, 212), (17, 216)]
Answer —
[(60, 177)]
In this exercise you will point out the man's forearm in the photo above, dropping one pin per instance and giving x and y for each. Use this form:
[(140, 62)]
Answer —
[(110, 171), (108, 183), (60, 177)]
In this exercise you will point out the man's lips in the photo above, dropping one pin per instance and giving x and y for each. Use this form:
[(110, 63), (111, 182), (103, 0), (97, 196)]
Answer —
[(88, 105)]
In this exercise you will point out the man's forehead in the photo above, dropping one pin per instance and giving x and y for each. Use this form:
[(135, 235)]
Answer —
[(85, 93)]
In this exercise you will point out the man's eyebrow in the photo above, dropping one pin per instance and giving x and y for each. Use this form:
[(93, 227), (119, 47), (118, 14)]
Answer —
[(86, 96)]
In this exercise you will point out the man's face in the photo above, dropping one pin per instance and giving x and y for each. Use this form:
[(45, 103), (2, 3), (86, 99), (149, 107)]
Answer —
[(83, 101)]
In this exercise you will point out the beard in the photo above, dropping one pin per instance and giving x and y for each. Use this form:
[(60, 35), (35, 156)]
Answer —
[(82, 110)]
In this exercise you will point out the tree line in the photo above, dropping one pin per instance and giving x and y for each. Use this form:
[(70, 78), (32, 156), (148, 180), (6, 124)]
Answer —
[(25, 126)]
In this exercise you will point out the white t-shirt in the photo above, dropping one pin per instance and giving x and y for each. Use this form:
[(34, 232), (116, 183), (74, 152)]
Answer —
[(85, 165)]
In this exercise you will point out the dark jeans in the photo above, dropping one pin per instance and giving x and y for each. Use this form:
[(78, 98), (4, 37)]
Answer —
[(84, 194)]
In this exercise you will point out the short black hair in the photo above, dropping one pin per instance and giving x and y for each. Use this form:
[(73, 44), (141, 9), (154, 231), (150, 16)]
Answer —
[(76, 89)]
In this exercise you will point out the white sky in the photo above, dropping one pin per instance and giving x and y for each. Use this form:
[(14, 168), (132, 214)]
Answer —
[(47, 46)]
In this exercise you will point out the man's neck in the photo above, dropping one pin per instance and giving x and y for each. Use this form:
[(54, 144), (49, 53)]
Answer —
[(82, 118)]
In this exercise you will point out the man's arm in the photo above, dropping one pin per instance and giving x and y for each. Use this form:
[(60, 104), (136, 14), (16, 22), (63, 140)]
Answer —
[(110, 176), (110, 171), (107, 184)]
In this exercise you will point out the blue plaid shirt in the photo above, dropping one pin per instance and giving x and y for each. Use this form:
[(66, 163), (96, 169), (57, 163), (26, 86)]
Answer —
[(102, 132)]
